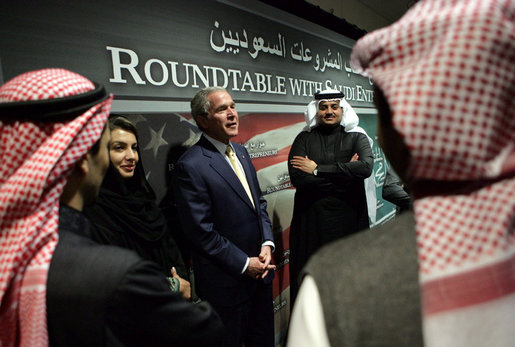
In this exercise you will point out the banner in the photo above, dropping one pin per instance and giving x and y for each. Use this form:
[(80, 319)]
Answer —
[(155, 55)]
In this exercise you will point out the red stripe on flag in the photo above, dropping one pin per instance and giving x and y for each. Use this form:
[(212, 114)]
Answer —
[(258, 123), (264, 162)]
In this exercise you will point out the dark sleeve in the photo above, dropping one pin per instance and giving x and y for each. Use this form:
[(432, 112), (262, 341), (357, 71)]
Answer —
[(394, 192), (143, 311), (169, 210), (327, 174), (174, 255), (360, 169), (194, 204), (266, 224), (298, 177)]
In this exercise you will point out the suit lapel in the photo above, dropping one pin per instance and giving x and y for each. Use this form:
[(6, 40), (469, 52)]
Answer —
[(218, 163)]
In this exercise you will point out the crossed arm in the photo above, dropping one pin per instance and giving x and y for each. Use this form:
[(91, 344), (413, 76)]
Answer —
[(308, 166), (301, 166)]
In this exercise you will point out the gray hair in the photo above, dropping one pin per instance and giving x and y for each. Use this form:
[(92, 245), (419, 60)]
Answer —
[(200, 104)]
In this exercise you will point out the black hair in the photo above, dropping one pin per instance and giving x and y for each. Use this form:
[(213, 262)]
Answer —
[(117, 121)]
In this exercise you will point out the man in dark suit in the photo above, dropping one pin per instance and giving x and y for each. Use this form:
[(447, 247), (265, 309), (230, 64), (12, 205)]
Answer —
[(224, 216)]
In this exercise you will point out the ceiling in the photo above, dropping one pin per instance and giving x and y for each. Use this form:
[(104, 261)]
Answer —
[(366, 14), (389, 9)]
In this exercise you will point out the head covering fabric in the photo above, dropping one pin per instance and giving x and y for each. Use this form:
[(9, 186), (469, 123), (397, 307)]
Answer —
[(350, 122), (125, 214), (446, 70), (327, 95), (37, 158), (129, 204)]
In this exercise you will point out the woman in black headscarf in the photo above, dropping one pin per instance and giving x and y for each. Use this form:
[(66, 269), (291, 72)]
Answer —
[(125, 213)]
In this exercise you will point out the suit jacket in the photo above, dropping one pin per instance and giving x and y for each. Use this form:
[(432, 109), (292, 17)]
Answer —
[(101, 295), (220, 221), (368, 286)]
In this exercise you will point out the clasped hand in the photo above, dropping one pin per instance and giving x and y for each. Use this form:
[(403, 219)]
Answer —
[(259, 266), (184, 286)]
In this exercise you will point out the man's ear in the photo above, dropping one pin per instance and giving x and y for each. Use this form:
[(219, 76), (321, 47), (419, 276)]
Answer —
[(83, 164), (72, 194), (201, 122)]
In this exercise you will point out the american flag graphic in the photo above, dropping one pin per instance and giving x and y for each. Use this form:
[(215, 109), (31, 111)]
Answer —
[(268, 138)]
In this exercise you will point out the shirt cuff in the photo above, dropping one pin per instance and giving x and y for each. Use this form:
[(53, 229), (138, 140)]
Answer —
[(266, 243), (246, 266), (269, 243)]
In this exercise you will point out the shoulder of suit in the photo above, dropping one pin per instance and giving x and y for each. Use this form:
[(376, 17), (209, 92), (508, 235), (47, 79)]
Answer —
[(237, 145), (399, 232), (193, 151), (81, 250)]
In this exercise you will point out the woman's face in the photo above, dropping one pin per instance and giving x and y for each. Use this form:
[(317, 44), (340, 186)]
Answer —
[(123, 152)]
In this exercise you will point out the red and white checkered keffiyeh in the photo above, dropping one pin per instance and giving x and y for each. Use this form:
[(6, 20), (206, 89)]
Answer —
[(36, 160), (447, 70)]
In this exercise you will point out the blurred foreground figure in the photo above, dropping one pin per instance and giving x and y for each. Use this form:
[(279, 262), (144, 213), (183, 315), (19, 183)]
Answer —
[(445, 82), (57, 286)]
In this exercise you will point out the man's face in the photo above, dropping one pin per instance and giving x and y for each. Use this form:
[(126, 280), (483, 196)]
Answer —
[(222, 123), (329, 112), (97, 168)]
